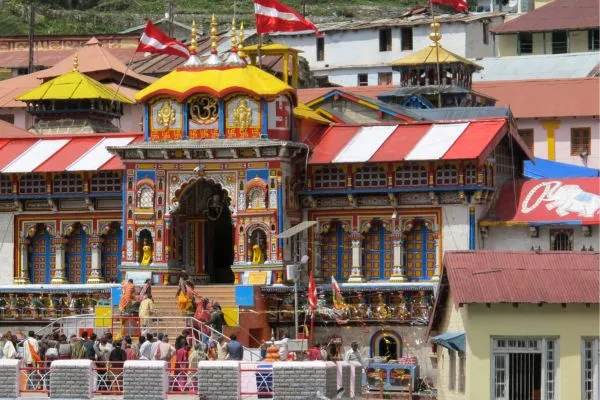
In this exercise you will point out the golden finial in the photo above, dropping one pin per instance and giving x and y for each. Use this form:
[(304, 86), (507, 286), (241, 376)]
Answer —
[(75, 63), (233, 36), (193, 41), (435, 34), (213, 35), (241, 40)]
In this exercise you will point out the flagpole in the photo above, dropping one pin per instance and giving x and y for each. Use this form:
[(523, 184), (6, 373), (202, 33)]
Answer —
[(437, 55), (260, 43)]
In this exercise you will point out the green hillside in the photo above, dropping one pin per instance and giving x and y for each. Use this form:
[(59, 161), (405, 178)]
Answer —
[(109, 16)]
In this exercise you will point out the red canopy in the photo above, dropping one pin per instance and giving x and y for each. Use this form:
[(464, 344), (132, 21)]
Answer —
[(573, 200)]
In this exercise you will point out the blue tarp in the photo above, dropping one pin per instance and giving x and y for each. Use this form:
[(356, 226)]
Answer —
[(451, 340), (553, 170)]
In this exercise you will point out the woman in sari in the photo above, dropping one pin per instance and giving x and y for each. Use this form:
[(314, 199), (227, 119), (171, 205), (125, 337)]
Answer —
[(202, 315), (127, 296), (183, 300), (146, 290), (181, 364)]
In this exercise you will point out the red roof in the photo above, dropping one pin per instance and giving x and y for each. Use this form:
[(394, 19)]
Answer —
[(546, 98), (308, 95), (569, 200), (10, 131), (49, 58), (558, 14), (455, 140), (523, 277)]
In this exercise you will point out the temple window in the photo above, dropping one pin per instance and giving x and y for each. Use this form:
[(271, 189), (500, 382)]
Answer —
[(336, 253), (411, 175), (385, 39), (446, 175), (504, 159), (320, 48), (470, 175), (5, 185), (419, 252), (363, 80), (378, 252), (561, 240), (145, 197), (68, 183), (525, 40), (560, 42), (370, 176), (106, 182), (32, 184), (330, 178)]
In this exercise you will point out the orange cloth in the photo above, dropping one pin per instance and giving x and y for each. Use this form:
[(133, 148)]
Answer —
[(126, 296)]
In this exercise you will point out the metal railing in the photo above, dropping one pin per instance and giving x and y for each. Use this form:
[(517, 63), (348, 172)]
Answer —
[(256, 380), (120, 326)]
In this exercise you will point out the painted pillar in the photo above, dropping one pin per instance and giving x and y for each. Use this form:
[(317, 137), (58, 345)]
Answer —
[(398, 274), (471, 228), (356, 274), (96, 272), (318, 270), (295, 70), (264, 110), (222, 122), (185, 123), (438, 255), (146, 122), (550, 127), (167, 240), (286, 67), (60, 243), (23, 277)]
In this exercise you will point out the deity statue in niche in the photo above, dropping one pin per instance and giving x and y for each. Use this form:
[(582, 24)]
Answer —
[(146, 253), (166, 115), (242, 115), (258, 246)]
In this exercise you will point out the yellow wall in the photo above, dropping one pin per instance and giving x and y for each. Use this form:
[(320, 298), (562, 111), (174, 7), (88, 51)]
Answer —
[(507, 45), (539, 3), (569, 324)]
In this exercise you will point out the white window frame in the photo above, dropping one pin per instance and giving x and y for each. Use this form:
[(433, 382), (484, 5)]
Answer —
[(594, 344), (548, 347), (67, 182), (106, 182), (6, 185), (407, 174), (330, 178), (370, 176), (32, 184), (470, 175), (446, 175)]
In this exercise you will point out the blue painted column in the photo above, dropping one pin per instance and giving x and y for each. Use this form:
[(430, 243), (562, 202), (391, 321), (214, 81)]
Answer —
[(264, 129), (280, 212), (146, 122), (221, 119), (185, 125), (471, 228)]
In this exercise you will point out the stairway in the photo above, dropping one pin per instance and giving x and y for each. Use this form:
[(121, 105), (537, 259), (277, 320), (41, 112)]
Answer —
[(165, 304)]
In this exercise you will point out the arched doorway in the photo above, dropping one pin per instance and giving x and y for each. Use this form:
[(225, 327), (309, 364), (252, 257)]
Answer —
[(111, 253), (387, 345), (40, 256), (419, 251), (78, 255), (203, 232)]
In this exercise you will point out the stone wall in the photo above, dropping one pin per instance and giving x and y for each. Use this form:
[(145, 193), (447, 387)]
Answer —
[(219, 380), (145, 380), (295, 380), (9, 379), (71, 379)]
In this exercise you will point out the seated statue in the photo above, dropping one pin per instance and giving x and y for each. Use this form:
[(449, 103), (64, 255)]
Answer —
[(258, 257), (146, 253)]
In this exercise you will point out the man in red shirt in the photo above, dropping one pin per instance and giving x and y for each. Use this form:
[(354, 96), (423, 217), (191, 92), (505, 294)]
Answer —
[(314, 353)]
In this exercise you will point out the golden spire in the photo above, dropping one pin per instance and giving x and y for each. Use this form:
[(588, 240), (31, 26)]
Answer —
[(75, 63), (233, 36), (435, 34), (213, 35), (193, 40), (241, 41)]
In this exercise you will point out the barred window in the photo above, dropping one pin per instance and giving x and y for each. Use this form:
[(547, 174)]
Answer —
[(470, 175), (411, 175), (370, 176), (446, 175), (561, 239), (330, 178), (32, 184), (5, 185), (106, 182), (68, 183), (580, 141)]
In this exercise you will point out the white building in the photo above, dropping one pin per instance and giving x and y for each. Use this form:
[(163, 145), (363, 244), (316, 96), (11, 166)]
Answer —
[(358, 53)]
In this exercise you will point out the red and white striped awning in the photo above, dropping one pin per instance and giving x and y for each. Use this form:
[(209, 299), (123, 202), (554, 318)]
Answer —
[(57, 154), (409, 142)]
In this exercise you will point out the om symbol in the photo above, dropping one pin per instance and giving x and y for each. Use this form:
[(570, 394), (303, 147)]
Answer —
[(204, 109)]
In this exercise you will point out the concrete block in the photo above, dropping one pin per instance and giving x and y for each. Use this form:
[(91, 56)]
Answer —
[(145, 380), (9, 379), (71, 379), (219, 379)]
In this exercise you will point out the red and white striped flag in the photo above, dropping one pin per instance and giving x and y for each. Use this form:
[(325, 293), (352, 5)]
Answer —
[(312, 293), (272, 16), (153, 40), (458, 5)]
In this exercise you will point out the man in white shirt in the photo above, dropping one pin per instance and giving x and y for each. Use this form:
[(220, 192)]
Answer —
[(283, 346), (164, 351), (30, 345), (146, 348), (353, 354)]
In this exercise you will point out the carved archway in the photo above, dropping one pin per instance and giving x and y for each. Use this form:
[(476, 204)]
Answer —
[(179, 184)]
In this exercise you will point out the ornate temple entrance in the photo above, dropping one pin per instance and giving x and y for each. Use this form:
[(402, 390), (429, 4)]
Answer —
[(203, 233)]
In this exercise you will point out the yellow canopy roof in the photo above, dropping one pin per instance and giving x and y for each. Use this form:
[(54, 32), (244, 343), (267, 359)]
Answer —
[(428, 56), (72, 86), (303, 111), (218, 81)]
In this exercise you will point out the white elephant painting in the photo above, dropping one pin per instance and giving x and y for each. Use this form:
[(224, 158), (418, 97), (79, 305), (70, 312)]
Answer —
[(564, 199)]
